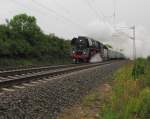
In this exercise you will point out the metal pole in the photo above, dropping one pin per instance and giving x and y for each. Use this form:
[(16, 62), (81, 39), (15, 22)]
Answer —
[(134, 47), (114, 15), (134, 44), (134, 51)]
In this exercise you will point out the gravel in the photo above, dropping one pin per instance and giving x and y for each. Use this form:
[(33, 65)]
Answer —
[(45, 100)]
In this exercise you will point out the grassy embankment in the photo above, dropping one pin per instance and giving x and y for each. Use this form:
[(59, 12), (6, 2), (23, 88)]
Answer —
[(130, 96), (125, 97)]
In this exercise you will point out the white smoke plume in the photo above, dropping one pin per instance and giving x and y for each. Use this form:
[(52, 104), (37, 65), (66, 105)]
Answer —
[(101, 31), (120, 41), (96, 58)]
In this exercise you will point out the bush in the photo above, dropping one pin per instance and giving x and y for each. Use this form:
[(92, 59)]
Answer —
[(137, 71), (139, 68), (144, 112)]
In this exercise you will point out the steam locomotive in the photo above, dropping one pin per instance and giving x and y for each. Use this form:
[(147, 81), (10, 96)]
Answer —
[(84, 48)]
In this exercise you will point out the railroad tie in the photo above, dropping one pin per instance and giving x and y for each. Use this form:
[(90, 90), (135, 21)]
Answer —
[(8, 89), (28, 84), (19, 87)]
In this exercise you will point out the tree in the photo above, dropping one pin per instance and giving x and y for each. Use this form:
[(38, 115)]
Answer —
[(26, 27), (21, 37), (4, 32)]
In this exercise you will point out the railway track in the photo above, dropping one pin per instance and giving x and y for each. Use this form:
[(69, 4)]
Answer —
[(18, 76), (7, 68), (5, 73)]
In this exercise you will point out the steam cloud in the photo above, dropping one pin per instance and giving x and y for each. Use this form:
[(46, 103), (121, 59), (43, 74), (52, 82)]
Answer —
[(96, 58), (120, 40)]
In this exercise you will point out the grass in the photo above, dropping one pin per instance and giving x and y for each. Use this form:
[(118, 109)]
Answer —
[(130, 97)]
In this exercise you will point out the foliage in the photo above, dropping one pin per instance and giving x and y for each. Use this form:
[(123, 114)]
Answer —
[(130, 99), (22, 38), (139, 68)]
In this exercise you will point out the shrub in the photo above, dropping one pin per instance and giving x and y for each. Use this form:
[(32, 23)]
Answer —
[(144, 112), (137, 71)]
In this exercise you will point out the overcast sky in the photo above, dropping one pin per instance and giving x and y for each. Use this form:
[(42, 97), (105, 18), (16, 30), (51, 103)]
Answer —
[(69, 18)]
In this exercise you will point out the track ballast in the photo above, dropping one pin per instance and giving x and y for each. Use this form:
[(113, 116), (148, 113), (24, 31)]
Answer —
[(19, 76)]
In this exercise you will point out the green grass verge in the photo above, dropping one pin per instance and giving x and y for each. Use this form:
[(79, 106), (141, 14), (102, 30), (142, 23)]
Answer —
[(130, 97)]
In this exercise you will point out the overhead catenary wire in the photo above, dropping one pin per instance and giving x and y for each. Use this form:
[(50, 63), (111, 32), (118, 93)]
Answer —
[(101, 17), (114, 14), (92, 8), (24, 6), (27, 8), (67, 19), (98, 12), (53, 12), (62, 7), (66, 11), (60, 16), (105, 16)]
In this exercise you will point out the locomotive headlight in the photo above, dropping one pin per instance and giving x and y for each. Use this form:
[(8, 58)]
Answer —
[(73, 52), (84, 52)]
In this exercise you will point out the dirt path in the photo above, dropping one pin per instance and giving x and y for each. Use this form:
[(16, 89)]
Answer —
[(90, 105)]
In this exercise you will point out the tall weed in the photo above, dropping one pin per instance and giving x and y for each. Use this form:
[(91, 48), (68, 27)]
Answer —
[(130, 99)]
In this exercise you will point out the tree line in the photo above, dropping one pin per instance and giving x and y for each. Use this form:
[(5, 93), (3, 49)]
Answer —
[(21, 37)]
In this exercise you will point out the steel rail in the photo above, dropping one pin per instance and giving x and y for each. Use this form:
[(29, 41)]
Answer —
[(42, 74), (33, 69)]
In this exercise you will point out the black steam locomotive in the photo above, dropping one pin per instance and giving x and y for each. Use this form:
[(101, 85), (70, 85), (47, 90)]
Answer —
[(84, 48)]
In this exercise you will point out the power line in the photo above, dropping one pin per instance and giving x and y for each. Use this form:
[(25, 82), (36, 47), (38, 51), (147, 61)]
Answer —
[(100, 17), (67, 12), (60, 15), (102, 14), (20, 4), (94, 11), (62, 7)]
